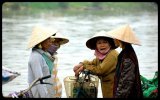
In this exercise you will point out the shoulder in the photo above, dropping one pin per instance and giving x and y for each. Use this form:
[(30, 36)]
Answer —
[(113, 53), (35, 56), (130, 55)]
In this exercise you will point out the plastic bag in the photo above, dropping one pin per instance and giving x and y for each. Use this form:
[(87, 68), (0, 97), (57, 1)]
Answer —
[(150, 86), (85, 89)]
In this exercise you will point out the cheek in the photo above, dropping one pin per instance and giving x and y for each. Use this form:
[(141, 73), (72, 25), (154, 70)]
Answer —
[(116, 42), (97, 46), (108, 45), (47, 44)]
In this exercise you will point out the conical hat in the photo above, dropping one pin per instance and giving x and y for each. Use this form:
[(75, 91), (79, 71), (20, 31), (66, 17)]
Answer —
[(58, 35), (124, 33), (91, 43), (39, 34)]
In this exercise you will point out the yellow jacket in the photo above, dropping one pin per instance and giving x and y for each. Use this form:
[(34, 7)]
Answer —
[(105, 70)]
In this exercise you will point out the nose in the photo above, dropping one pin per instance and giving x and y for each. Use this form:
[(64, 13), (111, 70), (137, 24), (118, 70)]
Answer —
[(102, 44)]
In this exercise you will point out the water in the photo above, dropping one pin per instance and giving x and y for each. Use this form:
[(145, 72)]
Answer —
[(16, 32)]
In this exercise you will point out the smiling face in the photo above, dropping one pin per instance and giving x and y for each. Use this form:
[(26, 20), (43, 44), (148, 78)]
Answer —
[(102, 45)]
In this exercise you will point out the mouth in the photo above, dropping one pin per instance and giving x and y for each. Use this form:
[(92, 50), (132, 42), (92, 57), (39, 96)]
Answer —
[(102, 49)]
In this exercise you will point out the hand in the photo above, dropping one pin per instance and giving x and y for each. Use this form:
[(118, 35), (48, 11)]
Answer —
[(77, 67), (78, 71)]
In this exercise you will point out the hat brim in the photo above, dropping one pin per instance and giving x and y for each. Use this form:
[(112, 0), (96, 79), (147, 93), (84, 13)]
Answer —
[(63, 40), (91, 43), (124, 33)]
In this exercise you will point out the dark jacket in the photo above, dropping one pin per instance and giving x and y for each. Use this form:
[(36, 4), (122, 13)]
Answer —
[(127, 82)]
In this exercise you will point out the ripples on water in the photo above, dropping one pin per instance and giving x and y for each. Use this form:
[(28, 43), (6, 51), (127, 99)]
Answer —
[(16, 32)]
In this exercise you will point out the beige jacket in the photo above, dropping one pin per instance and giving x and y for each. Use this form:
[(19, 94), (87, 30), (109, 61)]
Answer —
[(105, 70)]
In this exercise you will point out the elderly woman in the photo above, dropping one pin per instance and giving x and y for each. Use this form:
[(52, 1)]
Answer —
[(127, 83), (40, 62), (104, 64)]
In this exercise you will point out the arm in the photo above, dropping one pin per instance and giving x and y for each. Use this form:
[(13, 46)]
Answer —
[(78, 68), (106, 66), (86, 62)]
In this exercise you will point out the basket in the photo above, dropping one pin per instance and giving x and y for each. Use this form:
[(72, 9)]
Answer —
[(81, 87)]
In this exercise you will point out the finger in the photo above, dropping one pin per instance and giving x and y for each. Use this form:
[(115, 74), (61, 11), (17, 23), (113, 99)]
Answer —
[(76, 67), (77, 74)]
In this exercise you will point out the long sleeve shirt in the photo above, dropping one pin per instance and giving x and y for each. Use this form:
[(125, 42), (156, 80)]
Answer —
[(37, 67)]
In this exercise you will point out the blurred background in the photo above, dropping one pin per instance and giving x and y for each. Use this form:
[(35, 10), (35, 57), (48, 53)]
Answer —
[(78, 21)]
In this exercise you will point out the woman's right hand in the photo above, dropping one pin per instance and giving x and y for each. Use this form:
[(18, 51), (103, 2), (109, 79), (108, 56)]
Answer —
[(77, 72), (77, 67)]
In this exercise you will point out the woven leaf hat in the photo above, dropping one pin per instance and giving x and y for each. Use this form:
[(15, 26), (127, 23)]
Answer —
[(124, 33), (39, 34), (63, 39), (91, 43)]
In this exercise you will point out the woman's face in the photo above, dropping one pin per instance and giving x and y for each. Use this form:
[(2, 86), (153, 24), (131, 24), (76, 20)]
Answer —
[(117, 42), (102, 45), (46, 44), (57, 42)]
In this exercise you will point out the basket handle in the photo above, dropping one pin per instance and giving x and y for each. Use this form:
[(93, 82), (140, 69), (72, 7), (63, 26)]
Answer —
[(85, 73)]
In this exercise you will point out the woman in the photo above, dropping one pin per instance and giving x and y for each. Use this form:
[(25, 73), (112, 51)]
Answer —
[(104, 64), (127, 82), (40, 62), (57, 40)]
